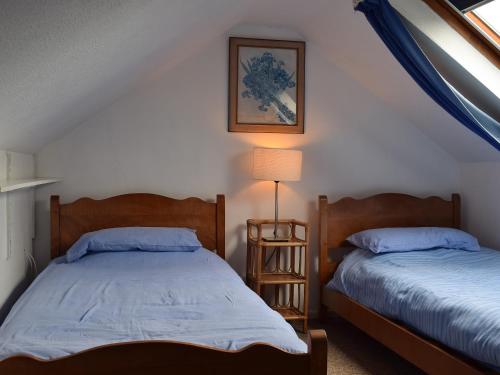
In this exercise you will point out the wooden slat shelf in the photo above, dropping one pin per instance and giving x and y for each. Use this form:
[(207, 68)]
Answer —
[(280, 278), (291, 242), (271, 221), (290, 313)]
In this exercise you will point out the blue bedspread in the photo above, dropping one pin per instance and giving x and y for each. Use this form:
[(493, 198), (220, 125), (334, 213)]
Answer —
[(106, 298), (449, 295)]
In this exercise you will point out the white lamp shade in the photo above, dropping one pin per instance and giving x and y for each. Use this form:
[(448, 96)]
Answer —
[(274, 164)]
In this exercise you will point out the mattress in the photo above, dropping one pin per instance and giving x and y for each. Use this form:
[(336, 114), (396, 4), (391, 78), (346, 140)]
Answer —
[(104, 298), (451, 296)]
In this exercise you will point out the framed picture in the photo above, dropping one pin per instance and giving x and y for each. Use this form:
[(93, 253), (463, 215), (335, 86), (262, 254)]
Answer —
[(266, 86)]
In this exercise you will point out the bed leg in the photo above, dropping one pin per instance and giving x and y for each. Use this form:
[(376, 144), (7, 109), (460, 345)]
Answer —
[(318, 350)]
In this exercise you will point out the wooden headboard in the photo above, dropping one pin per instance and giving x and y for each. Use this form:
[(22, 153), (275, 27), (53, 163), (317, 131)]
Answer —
[(69, 221), (340, 219)]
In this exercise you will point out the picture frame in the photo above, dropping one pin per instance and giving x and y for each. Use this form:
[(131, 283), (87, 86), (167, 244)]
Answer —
[(266, 86)]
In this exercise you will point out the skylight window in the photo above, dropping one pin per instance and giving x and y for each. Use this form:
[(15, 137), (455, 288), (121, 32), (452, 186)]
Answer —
[(483, 15), (487, 18)]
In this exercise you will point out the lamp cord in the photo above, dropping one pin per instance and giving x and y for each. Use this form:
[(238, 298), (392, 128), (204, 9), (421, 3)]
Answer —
[(276, 185), (270, 257)]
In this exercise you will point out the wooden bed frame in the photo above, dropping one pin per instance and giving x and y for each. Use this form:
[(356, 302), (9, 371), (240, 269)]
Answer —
[(347, 216), (70, 221)]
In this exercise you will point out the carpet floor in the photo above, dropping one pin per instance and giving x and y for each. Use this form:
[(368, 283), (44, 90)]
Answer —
[(351, 352)]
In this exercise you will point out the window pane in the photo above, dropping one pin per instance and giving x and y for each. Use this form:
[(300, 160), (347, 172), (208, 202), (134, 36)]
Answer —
[(465, 5), (490, 14)]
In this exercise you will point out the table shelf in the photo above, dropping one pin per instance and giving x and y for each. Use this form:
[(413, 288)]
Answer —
[(290, 242), (270, 278), (290, 313)]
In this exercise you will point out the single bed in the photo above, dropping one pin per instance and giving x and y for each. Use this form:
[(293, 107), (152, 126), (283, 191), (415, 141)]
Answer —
[(148, 312), (419, 304)]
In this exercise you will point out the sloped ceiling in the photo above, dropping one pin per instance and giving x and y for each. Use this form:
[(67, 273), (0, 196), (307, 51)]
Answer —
[(63, 60)]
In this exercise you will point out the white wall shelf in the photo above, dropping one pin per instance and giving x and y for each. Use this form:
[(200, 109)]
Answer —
[(10, 185)]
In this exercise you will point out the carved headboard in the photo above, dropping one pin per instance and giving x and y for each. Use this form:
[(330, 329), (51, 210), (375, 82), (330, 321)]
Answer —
[(69, 221), (340, 219)]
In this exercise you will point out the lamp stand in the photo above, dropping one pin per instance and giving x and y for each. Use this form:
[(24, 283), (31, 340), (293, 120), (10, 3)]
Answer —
[(275, 237)]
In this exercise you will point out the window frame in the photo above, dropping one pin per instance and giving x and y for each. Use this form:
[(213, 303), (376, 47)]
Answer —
[(464, 27)]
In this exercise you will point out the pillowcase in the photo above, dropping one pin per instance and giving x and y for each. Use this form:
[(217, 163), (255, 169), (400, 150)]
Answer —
[(134, 238), (387, 240)]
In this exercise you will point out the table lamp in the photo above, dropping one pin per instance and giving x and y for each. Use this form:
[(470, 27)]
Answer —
[(274, 164)]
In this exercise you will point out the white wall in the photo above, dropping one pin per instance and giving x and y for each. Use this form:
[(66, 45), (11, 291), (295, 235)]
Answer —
[(16, 228), (481, 201), (169, 136)]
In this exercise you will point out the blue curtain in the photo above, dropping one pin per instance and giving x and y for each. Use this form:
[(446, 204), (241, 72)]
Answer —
[(388, 24)]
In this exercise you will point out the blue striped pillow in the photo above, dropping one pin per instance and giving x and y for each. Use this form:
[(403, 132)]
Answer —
[(387, 240)]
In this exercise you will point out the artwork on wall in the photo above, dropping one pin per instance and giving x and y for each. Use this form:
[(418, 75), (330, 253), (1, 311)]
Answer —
[(266, 86)]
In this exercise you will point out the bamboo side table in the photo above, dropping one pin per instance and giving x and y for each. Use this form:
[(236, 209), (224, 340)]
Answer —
[(286, 268)]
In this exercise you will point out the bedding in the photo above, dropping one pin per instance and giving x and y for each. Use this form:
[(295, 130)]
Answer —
[(386, 240), (448, 295), (111, 297), (134, 238)]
